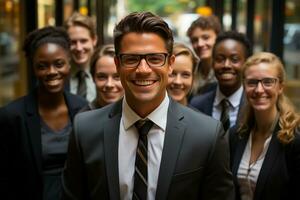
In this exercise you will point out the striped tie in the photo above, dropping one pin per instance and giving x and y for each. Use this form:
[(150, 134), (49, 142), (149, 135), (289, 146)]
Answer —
[(225, 114), (82, 87), (141, 161)]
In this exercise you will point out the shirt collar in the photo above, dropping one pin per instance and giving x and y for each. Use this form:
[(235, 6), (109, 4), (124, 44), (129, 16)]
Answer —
[(234, 99), (75, 69), (157, 116)]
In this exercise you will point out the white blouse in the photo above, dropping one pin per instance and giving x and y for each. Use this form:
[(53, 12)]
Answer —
[(247, 174)]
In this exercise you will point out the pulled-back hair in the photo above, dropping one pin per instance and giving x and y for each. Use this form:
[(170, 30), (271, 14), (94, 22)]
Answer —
[(106, 50), (78, 19), (182, 49), (205, 22), (289, 119), (234, 35), (49, 34), (143, 22)]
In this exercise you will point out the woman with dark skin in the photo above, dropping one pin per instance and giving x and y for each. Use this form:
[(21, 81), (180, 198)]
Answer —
[(36, 127)]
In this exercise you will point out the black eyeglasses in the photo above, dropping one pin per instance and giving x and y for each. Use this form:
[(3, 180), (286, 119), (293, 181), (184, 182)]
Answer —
[(152, 59), (267, 83)]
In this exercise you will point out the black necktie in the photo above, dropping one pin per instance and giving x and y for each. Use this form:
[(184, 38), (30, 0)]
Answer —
[(225, 114), (81, 89), (141, 161)]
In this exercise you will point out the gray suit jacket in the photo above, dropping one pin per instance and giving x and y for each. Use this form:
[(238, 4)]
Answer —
[(194, 165)]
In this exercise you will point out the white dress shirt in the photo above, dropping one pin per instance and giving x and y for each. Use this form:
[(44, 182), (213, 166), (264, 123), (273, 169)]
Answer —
[(128, 140), (234, 101), (247, 175), (90, 85)]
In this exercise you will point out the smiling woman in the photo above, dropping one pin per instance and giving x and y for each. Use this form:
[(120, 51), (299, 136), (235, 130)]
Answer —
[(265, 148), (181, 79), (39, 124)]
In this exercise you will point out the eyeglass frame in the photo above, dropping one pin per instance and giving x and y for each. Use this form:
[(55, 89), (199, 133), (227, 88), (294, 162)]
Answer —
[(274, 81), (143, 56)]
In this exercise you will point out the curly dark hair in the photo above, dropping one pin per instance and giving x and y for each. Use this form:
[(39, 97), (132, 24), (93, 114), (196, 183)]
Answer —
[(234, 35), (143, 22), (49, 34)]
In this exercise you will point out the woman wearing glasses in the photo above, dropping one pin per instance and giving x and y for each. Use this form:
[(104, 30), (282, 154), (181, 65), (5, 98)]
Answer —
[(265, 146)]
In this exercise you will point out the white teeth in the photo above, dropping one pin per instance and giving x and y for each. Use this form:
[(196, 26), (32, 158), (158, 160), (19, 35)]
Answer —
[(143, 82)]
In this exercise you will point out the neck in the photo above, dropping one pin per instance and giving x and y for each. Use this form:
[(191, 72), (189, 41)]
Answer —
[(80, 66), (143, 108), (265, 121), (205, 66), (228, 91), (50, 100), (183, 101)]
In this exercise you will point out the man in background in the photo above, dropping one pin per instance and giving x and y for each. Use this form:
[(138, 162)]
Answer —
[(82, 32)]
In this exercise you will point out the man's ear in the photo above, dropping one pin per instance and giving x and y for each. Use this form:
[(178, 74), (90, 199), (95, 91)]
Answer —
[(171, 62), (117, 63), (95, 40)]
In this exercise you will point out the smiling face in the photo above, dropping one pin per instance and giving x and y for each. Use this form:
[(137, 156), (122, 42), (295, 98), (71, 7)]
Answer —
[(203, 41), (144, 86), (181, 79), (51, 67), (107, 80), (260, 98), (227, 63), (82, 45)]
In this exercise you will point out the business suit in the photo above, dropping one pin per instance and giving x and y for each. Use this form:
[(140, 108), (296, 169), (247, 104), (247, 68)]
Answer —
[(21, 148), (280, 172), (194, 163), (205, 102)]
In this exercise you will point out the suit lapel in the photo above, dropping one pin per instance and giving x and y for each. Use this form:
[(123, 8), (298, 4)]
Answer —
[(34, 129), (111, 143), (270, 158), (239, 115), (209, 104), (172, 144), (238, 153)]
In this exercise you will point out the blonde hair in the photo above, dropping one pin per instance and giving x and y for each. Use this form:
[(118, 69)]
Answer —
[(77, 19), (182, 49), (289, 119)]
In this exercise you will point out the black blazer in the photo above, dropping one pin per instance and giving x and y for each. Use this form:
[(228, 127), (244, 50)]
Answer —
[(205, 102), (194, 163), (279, 177), (21, 148)]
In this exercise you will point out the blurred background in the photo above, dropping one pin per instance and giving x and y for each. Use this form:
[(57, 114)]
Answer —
[(272, 25)]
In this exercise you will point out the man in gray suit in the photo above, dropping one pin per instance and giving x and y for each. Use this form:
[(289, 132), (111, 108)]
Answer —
[(146, 146)]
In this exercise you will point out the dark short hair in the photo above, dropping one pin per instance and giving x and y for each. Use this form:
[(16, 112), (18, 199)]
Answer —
[(143, 22), (234, 35), (205, 23), (49, 34), (106, 50), (77, 19)]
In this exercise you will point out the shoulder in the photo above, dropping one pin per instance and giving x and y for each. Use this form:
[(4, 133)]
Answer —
[(16, 106), (94, 116), (75, 99), (197, 101), (198, 121)]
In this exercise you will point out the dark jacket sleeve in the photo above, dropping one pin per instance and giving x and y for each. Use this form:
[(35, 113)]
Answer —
[(218, 183), (72, 176)]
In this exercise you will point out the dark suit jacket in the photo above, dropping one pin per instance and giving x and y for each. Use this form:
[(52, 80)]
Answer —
[(279, 177), (194, 165), (21, 149), (205, 102)]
